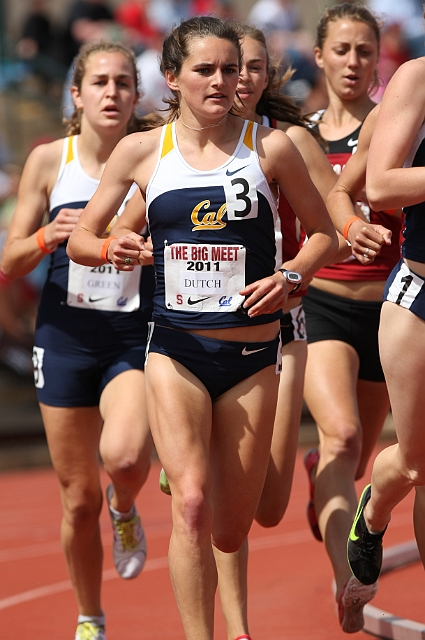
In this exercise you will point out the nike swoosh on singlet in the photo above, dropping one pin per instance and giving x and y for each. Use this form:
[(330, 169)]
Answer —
[(352, 143), (97, 299), (231, 173), (190, 301), (245, 351)]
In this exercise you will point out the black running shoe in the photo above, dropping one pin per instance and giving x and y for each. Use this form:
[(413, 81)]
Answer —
[(364, 549)]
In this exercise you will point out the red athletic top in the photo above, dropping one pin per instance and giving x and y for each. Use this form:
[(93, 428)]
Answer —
[(339, 152)]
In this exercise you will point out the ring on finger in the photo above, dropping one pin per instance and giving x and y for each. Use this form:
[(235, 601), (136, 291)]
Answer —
[(127, 261), (367, 251)]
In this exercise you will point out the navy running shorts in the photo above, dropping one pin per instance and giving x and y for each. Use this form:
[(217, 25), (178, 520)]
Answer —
[(218, 364), (406, 288), (72, 371)]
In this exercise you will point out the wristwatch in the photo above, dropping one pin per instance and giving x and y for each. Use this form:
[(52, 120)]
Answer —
[(293, 278)]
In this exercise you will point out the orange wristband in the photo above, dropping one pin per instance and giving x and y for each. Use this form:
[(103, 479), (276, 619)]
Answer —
[(39, 236), (348, 225), (105, 247)]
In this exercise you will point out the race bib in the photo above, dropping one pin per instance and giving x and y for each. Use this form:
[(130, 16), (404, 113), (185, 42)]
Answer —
[(103, 288), (204, 277)]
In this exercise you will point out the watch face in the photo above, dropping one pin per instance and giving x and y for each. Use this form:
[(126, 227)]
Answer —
[(293, 276)]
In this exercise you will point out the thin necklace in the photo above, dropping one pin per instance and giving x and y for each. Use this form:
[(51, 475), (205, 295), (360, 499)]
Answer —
[(210, 126)]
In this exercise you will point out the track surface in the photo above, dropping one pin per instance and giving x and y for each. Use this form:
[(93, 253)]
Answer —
[(289, 574)]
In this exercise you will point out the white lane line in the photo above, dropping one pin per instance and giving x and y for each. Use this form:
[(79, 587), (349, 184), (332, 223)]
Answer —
[(160, 531), (53, 547), (33, 594), (266, 542), (255, 544), (33, 551), (50, 589)]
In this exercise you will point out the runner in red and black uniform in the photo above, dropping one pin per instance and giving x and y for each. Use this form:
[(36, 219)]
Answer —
[(344, 388)]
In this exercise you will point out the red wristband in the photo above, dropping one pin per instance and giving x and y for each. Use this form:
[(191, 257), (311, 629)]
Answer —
[(39, 236), (105, 247), (348, 225)]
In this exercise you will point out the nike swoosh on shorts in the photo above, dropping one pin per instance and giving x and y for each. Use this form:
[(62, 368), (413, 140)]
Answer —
[(246, 352)]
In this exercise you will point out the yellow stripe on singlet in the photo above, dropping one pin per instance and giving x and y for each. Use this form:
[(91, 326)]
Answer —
[(70, 154), (247, 139), (167, 144)]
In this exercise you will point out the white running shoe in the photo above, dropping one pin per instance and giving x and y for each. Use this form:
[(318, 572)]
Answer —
[(89, 631), (353, 598), (129, 546)]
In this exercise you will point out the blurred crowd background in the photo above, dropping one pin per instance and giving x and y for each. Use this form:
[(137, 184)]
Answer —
[(39, 39)]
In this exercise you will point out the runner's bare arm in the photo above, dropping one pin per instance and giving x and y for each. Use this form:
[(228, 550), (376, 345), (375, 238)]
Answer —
[(388, 184), (342, 200), (277, 153), (22, 251), (86, 242)]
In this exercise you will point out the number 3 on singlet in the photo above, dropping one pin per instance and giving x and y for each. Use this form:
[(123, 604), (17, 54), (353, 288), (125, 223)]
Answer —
[(241, 197)]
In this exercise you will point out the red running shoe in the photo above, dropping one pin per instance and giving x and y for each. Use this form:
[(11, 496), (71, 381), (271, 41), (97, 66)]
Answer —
[(311, 458)]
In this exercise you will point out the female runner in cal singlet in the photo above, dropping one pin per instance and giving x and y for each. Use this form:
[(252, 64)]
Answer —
[(260, 99), (91, 332), (210, 182)]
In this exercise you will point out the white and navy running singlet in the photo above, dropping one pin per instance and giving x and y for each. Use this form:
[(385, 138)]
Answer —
[(212, 232), (92, 321), (101, 288)]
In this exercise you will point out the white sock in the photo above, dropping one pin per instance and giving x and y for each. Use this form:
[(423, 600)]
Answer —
[(122, 516), (98, 620)]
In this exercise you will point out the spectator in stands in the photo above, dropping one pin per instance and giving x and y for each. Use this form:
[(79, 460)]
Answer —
[(153, 85), (394, 52), (220, 8), (164, 14), (133, 15), (39, 44), (87, 20), (270, 15), (408, 14), (37, 32), (281, 21)]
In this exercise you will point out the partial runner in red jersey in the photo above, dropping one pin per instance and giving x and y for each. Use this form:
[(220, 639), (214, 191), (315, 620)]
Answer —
[(345, 388)]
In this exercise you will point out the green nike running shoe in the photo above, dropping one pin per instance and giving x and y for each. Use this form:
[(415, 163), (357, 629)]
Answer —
[(364, 549)]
